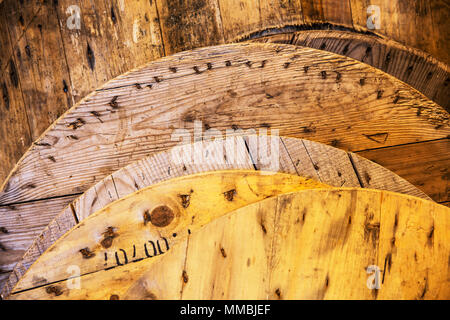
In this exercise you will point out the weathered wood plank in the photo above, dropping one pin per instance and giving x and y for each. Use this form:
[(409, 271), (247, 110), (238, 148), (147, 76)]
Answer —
[(310, 244), (439, 10), (42, 70), (412, 22), (334, 11), (114, 37), (15, 134), (239, 18), (276, 13), (138, 122), (425, 165), (17, 17), (22, 223), (189, 24)]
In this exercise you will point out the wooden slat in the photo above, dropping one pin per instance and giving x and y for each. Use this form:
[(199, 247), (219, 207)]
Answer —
[(42, 70), (425, 165), (310, 244), (276, 96), (23, 223), (439, 14), (276, 13), (373, 176), (115, 36), (416, 68), (189, 24), (239, 18), (411, 22), (17, 17), (14, 128), (335, 11)]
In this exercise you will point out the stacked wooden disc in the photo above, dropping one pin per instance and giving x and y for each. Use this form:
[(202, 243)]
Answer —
[(237, 171)]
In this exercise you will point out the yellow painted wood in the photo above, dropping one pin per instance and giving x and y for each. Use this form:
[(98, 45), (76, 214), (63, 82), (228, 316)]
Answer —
[(309, 244), (148, 222)]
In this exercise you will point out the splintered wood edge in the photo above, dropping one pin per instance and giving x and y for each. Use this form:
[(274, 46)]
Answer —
[(416, 68), (182, 56), (137, 269), (302, 157)]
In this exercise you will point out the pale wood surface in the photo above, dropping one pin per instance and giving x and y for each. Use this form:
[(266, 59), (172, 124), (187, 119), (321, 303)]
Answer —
[(95, 139), (310, 244), (158, 212), (305, 158)]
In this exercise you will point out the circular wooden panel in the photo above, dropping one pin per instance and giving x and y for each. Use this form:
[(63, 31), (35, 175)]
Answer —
[(311, 244), (310, 159), (301, 92)]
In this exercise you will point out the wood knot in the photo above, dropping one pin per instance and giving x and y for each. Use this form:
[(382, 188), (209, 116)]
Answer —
[(54, 290), (278, 293), (161, 216), (229, 195), (77, 124), (86, 253), (108, 237), (114, 297), (185, 200), (113, 103)]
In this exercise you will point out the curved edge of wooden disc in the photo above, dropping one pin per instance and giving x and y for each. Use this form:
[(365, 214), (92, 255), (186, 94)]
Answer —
[(203, 196), (387, 198), (416, 68), (314, 160), (161, 64)]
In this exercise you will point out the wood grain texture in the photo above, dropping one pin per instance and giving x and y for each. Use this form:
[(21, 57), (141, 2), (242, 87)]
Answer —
[(42, 70), (336, 11), (418, 165), (158, 213), (310, 244), (139, 120), (22, 223), (416, 23), (313, 160), (419, 70), (189, 24), (15, 135), (115, 36)]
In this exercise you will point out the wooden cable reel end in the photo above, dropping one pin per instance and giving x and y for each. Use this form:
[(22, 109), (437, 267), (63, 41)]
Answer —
[(308, 244)]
